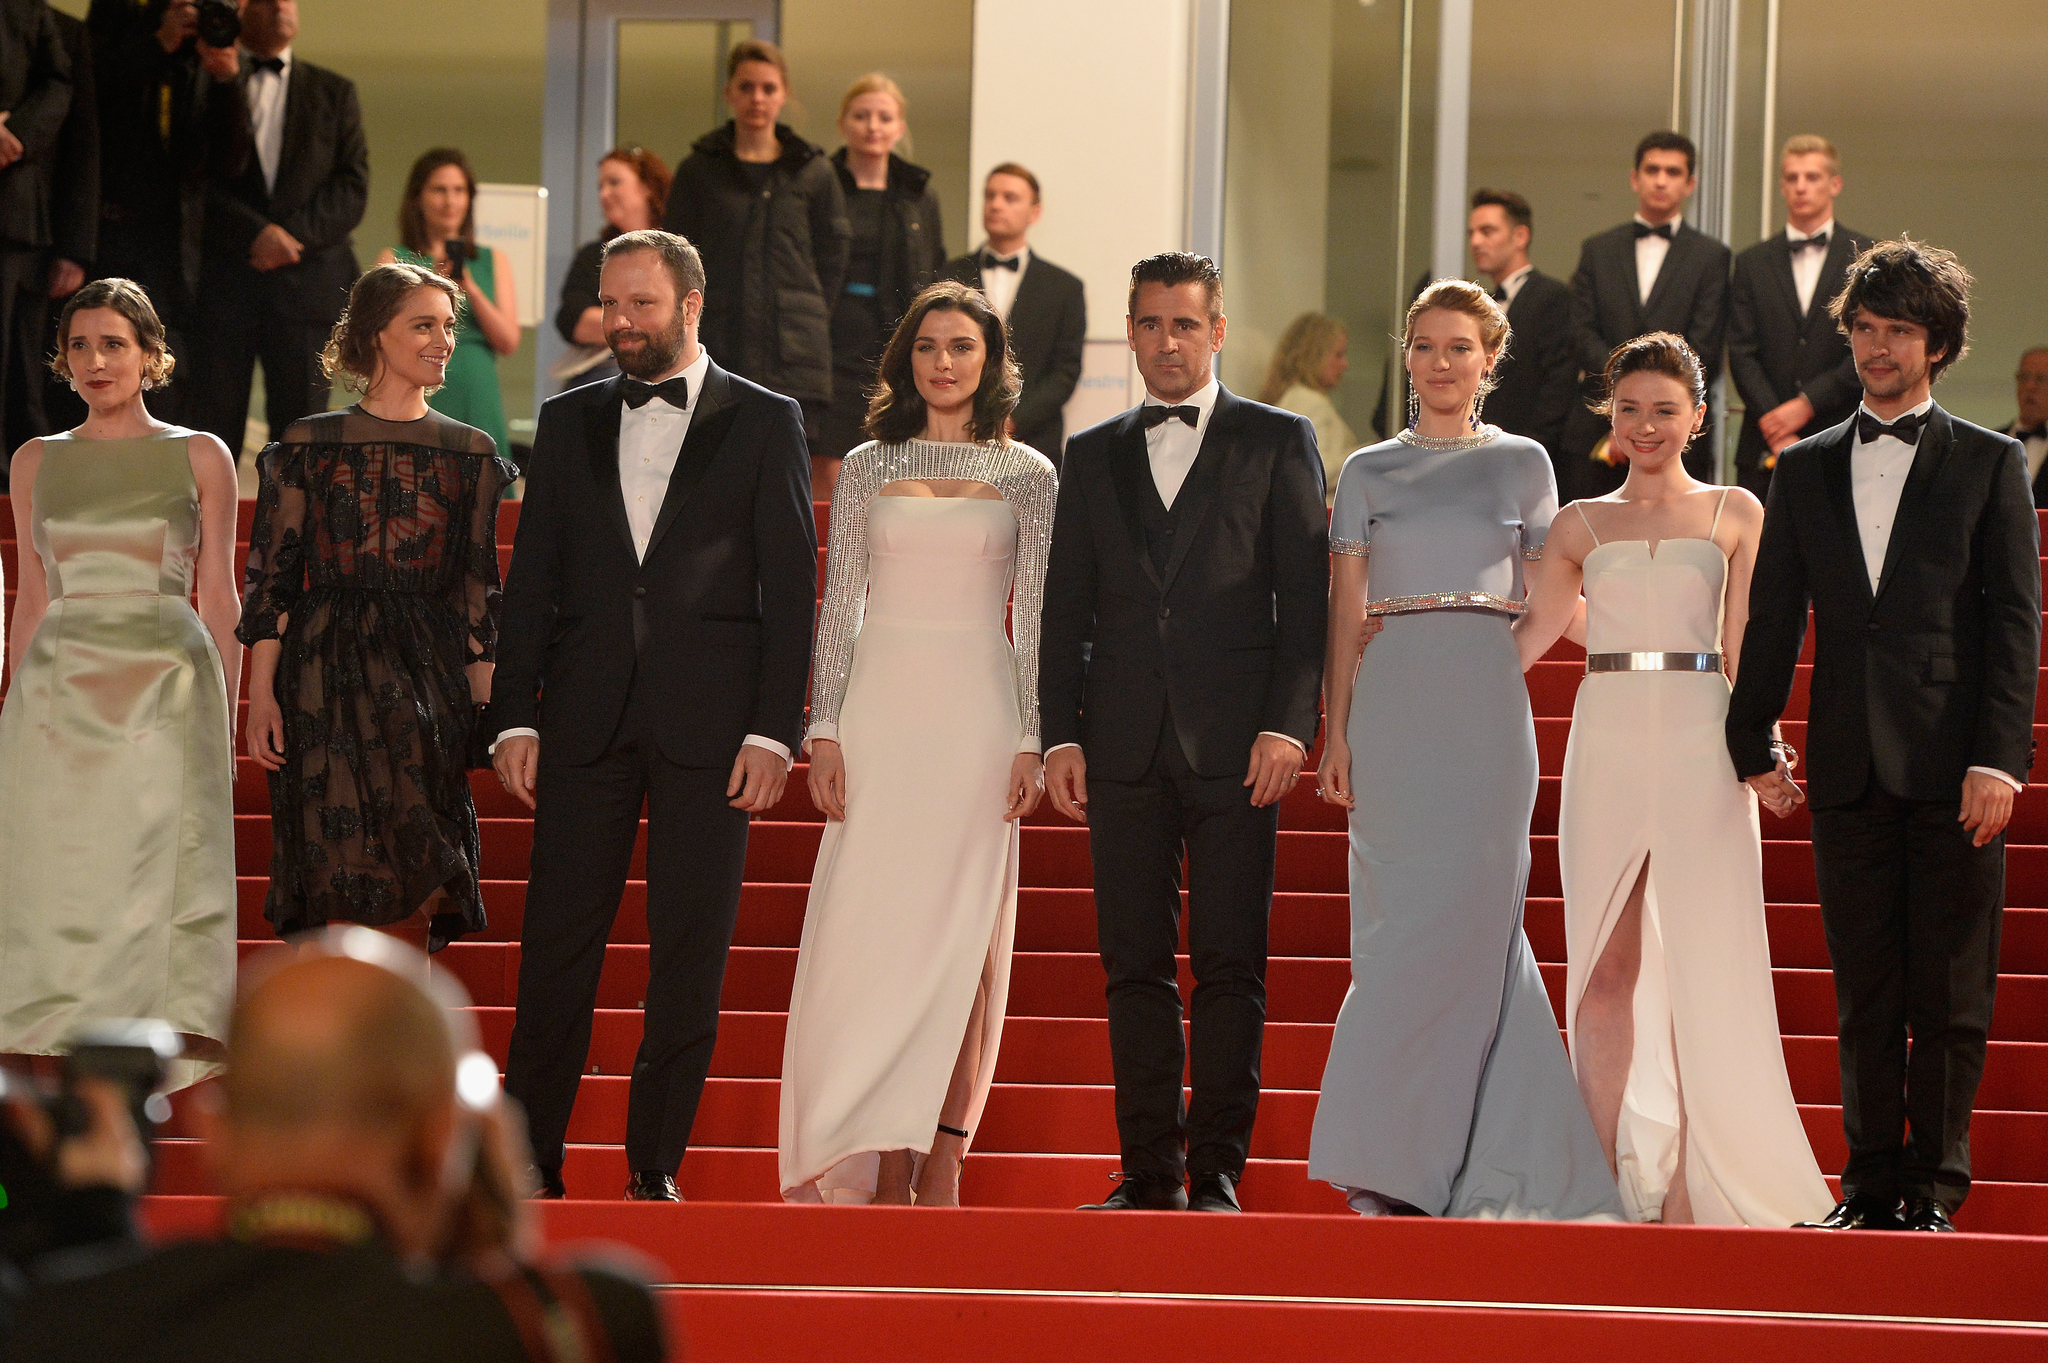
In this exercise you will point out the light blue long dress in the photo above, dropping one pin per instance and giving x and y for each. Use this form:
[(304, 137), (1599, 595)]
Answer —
[(1447, 1086)]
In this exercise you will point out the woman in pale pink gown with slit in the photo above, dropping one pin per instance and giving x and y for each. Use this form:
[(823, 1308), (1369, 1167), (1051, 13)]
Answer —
[(1669, 1006)]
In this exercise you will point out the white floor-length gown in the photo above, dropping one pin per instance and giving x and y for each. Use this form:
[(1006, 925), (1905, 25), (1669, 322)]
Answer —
[(913, 902), (1647, 777)]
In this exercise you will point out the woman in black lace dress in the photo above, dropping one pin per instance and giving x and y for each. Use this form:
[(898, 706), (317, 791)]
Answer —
[(370, 609)]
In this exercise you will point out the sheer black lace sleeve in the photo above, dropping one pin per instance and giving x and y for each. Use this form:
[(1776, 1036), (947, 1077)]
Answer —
[(479, 589), (275, 577)]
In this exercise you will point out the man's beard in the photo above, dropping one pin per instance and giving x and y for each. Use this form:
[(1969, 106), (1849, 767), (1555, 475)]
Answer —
[(1901, 380), (657, 354)]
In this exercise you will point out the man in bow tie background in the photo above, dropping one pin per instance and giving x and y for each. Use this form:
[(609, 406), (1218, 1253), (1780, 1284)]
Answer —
[(1789, 360), (2030, 428), (1179, 681), (656, 646), (1655, 273), (1044, 306), (276, 253), (1911, 534)]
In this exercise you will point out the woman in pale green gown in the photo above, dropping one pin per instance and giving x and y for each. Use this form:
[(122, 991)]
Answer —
[(117, 846)]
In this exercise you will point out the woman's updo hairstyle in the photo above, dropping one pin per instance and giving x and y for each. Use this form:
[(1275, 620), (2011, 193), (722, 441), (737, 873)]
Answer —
[(128, 298), (1660, 352), (1462, 295), (350, 357)]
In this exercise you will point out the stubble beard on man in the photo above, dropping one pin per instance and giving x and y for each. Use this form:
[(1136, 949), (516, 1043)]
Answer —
[(1883, 387), (658, 351)]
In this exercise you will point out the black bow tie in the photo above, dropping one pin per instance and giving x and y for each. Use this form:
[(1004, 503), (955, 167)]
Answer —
[(1819, 243), (274, 65), (1907, 428), (675, 392), (992, 261), (2038, 433), (1155, 415), (1666, 231)]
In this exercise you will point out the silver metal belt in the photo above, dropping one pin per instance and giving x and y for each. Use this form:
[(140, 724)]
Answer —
[(1653, 662), (1440, 601)]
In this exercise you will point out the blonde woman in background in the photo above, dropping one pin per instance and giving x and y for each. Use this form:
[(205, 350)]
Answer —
[(1307, 366)]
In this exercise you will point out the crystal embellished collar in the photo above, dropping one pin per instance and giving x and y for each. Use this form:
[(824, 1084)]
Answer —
[(1447, 442)]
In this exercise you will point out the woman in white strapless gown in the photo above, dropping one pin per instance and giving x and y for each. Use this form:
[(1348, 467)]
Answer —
[(924, 758), (1669, 1006)]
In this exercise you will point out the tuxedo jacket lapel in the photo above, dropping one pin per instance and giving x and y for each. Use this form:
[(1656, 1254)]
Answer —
[(709, 423), (1131, 474), (601, 446), (1835, 475), (1198, 494), (1781, 274), (1928, 457), (1833, 271), (1676, 262)]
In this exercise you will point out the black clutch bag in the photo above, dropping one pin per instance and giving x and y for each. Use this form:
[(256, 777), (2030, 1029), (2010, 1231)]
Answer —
[(481, 735)]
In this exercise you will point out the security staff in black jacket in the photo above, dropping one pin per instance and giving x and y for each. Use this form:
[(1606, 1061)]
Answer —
[(764, 209), (1911, 534), (1789, 360), (278, 258), (35, 94), (1180, 685)]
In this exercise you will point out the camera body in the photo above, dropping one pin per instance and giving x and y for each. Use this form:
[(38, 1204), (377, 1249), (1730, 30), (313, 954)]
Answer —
[(460, 253), (220, 22)]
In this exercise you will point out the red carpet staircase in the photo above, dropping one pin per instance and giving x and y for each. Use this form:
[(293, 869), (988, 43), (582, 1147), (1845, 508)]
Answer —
[(1021, 1276)]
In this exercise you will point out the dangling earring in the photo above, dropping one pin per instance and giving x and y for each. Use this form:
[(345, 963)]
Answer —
[(1479, 402), (1414, 406)]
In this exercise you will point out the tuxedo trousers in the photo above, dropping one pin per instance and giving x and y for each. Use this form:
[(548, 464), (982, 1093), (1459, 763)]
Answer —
[(234, 326), (1911, 911), (1137, 834), (585, 822)]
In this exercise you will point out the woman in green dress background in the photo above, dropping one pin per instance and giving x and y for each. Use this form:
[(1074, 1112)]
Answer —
[(439, 207), (117, 845)]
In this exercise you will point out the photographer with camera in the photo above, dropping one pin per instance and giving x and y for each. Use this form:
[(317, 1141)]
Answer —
[(376, 1206), (437, 231), (276, 258), (164, 74)]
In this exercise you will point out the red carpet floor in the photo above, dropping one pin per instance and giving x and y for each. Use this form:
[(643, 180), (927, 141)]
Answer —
[(1021, 1276)]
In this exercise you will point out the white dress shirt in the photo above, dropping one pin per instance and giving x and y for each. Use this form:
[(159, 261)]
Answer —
[(650, 439), (265, 91), (1512, 285), (1650, 252), (1000, 286), (1806, 264), (1877, 476), (1170, 448)]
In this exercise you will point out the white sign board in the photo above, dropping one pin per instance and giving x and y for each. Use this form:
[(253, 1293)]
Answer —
[(1108, 383), (514, 218)]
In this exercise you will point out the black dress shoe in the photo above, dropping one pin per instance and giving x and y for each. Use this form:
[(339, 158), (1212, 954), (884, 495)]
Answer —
[(652, 1186), (546, 1183), (1924, 1213), (1143, 1193), (1213, 1193), (1860, 1212)]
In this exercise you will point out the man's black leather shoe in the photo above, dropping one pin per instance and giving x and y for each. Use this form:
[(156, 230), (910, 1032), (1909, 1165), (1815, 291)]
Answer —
[(546, 1183), (1860, 1212), (1924, 1213), (1143, 1193), (1213, 1193), (652, 1186)]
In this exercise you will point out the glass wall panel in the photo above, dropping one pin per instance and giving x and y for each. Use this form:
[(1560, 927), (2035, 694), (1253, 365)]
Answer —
[(1941, 116), (670, 78)]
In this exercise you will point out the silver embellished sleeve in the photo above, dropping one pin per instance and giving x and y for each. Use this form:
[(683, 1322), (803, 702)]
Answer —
[(1031, 489), (846, 586), (1358, 548)]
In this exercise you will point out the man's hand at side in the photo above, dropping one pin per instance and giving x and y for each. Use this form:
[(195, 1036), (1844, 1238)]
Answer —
[(757, 779), (517, 761), (1275, 767), (1987, 807), (1066, 781)]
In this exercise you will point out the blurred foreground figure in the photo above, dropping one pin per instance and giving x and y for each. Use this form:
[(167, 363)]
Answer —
[(374, 1209)]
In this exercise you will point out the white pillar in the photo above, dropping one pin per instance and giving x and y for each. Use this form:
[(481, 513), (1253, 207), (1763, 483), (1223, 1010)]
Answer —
[(1453, 135)]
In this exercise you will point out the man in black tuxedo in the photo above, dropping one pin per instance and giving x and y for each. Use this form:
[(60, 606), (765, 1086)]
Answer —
[(277, 259), (1180, 677), (2030, 427), (74, 195), (1910, 533), (1043, 305), (1790, 362), (656, 645), (1656, 273), (35, 98), (1535, 380)]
